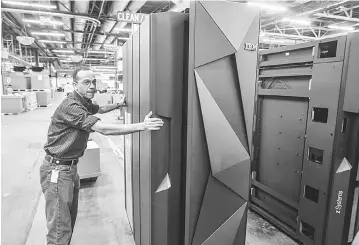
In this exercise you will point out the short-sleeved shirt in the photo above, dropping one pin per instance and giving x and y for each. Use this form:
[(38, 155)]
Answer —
[(70, 127)]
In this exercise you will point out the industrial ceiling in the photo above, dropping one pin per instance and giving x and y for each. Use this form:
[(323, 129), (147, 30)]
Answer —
[(87, 28)]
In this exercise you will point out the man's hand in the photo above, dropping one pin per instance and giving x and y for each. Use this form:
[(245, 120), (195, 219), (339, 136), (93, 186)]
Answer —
[(152, 123), (123, 101)]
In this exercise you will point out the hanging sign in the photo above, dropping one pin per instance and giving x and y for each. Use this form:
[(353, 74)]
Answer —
[(130, 17)]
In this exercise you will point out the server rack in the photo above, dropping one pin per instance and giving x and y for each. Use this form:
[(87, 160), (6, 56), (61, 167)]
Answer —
[(306, 139), (221, 90), (153, 81)]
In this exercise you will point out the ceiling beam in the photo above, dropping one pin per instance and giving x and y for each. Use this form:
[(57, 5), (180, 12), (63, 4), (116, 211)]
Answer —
[(309, 12), (52, 13), (337, 17), (77, 31), (290, 36)]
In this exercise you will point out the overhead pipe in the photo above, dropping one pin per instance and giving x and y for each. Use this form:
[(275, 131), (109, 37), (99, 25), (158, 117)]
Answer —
[(93, 29), (21, 31), (54, 13), (133, 7), (109, 24), (81, 7), (65, 6)]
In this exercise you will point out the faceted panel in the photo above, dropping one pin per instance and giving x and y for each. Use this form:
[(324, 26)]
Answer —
[(227, 22), (210, 43), (221, 80), (237, 178), (219, 204), (166, 184), (224, 147), (247, 75), (241, 233), (227, 232)]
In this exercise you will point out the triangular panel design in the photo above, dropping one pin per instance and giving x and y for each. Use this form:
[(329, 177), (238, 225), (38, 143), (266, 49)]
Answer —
[(237, 178), (165, 184), (221, 79), (219, 204), (232, 23), (227, 232), (224, 147), (344, 166), (210, 43), (241, 233), (247, 75)]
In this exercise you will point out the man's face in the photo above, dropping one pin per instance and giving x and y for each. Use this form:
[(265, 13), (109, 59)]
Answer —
[(86, 84)]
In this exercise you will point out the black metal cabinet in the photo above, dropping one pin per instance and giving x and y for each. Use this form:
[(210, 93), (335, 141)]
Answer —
[(305, 159), (154, 160)]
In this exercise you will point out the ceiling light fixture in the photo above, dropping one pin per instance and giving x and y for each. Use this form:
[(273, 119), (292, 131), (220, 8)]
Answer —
[(25, 40), (268, 6), (51, 41), (344, 28), (51, 22), (103, 67), (100, 51), (122, 30), (95, 59), (52, 34), (297, 21), (34, 5), (63, 51)]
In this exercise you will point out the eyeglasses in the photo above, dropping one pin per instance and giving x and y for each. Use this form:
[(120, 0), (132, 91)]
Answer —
[(88, 81)]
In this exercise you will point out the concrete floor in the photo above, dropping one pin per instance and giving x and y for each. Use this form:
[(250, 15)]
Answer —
[(102, 218)]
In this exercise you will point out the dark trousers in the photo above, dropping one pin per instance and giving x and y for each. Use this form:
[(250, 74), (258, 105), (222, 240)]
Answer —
[(61, 201)]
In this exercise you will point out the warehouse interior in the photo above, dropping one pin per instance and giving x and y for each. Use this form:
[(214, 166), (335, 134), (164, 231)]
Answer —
[(260, 104)]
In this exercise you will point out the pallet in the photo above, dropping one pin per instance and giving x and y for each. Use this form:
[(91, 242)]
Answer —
[(11, 114), (21, 90), (45, 105), (40, 90)]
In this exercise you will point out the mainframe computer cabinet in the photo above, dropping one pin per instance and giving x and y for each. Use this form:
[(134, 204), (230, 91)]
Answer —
[(306, 139), (154, 67)]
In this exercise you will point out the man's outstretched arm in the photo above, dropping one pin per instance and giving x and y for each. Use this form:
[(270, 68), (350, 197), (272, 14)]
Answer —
[(108, 108), (148, 124)]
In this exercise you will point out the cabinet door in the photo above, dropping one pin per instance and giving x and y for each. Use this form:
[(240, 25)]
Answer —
[(128, 90)]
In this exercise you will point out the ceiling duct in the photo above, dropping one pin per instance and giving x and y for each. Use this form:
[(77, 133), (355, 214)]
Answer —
[(66, 7), (81, 7), (108, 24), (133, 7)]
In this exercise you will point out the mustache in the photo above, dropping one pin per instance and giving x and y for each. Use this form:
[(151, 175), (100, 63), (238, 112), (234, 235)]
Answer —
[(92, 90)]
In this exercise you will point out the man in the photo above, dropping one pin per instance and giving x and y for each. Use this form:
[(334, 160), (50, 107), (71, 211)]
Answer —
[(68, 133)]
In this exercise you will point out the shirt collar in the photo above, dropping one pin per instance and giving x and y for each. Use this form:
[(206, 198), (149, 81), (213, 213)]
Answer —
[(86, 102)]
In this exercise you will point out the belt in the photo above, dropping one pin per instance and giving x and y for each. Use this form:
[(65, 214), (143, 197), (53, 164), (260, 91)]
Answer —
[(61, 162)]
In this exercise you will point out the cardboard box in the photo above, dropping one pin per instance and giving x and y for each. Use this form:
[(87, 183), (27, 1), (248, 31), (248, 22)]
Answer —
[(12, 103), (19, 81), (30, 102), (40, 80), (103, 99), (44, 97), (89, 163)]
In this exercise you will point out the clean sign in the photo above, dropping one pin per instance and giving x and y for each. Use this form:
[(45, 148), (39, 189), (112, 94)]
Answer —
[(130, 17)]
